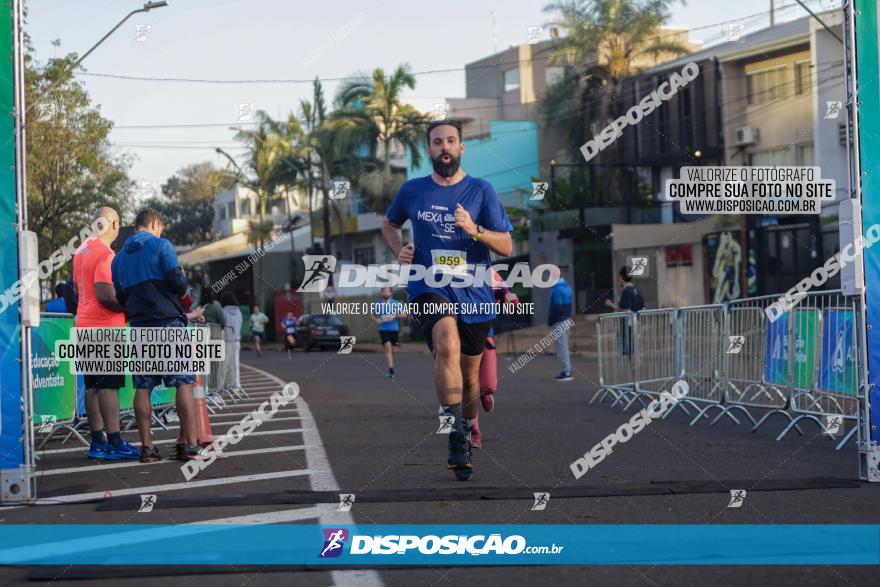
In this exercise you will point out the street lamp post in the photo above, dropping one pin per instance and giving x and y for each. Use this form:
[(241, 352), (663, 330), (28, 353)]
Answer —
[(146, 8)]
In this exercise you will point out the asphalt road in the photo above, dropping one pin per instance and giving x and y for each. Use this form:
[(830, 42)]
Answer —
[(354, 431)]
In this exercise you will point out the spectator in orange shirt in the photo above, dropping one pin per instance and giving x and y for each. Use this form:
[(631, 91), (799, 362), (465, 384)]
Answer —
[(98, 308)]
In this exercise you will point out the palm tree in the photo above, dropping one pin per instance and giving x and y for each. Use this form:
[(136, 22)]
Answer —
[(267, 167), (605, 42), (264, 167), (369, 119)]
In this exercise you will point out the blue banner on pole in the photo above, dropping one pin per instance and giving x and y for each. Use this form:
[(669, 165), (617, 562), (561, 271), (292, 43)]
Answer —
[(776, 359), (837, 364)]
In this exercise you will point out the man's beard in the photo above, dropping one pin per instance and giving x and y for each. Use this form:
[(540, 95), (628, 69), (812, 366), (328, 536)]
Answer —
[(444, 169)]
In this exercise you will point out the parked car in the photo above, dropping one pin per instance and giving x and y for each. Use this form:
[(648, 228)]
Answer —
[(320, 331)]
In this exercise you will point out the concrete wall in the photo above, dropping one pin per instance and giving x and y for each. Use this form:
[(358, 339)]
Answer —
[(547, 247), (829, 154), (507, 158)]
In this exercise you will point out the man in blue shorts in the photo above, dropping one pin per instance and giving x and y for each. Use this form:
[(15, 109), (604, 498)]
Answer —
[(456, 221), (385, 314), (150, 283)]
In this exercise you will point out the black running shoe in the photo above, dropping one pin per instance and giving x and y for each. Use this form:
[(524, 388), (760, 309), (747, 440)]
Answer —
[(150, 454), (459, 454)]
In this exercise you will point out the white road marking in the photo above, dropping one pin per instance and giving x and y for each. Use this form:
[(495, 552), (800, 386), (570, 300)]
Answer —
[(296, 515), (126, 464), (82, 449), (321, 478), (80, 497)]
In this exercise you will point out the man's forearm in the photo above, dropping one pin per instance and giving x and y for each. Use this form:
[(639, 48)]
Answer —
[(393, 236), (497, 242)]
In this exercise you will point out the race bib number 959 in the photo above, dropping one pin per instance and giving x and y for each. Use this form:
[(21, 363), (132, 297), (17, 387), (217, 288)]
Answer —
[(449, 260)]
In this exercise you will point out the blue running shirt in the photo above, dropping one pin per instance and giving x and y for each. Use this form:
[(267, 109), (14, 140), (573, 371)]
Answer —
[(383, 310), (431, 208)]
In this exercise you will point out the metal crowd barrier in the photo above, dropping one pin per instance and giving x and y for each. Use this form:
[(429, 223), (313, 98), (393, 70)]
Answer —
[(616, 340), (804, 364), (755, 374), (657, 356), (702, 347), (824, 362)]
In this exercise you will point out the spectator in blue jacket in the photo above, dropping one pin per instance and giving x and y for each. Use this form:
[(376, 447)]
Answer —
[(560, 311), (150, 283), (57, 304)]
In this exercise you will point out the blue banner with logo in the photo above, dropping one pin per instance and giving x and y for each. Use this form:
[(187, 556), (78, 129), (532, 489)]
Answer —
[(295, 544), (838, 361), (867, 52), (11, 447), (776, 359)]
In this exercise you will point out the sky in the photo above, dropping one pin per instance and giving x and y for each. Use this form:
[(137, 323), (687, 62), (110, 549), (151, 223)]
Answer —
[(166, 125)]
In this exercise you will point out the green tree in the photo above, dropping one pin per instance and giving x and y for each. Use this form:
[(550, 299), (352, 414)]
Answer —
[(71, 169), (604, 42), (261, 169), (198, 181), (369, 119)]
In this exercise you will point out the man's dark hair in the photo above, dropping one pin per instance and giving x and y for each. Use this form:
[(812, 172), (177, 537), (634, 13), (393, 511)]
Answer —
[(59, 289), (228, 299), (450, 122), (147, 216), (625, 273)]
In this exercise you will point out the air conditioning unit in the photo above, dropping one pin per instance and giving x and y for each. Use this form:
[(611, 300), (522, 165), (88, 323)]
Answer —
[(746, 135)]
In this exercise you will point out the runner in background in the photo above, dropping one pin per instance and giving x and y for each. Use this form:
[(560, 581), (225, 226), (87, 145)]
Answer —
[(258, 328), (385, 314), (98, 308), (288, 323), (233, 347), (489, 362)]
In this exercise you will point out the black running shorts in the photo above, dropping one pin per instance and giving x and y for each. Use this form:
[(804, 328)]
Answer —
[(472, 337)]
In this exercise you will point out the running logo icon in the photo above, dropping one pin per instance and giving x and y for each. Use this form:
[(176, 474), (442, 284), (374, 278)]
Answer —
[(534, 35), (346, 345), (832, 109), (833, 424), (638, 265), (735, 31), (736, 344), (346, 500), (47, 423), (541, 501), (141, 32), (340, 190), (318, 268), (539, 190), (246, 112), (446, 424), (440, 111), (147, 503), (737, 497), (334, 541)]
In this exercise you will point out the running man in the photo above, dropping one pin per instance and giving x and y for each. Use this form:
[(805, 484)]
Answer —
[(288, 323), (98, 308), (385, 314), (258, 328), (457, 220)]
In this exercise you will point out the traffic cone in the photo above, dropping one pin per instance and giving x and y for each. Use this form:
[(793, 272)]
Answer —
[(203, 423)]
